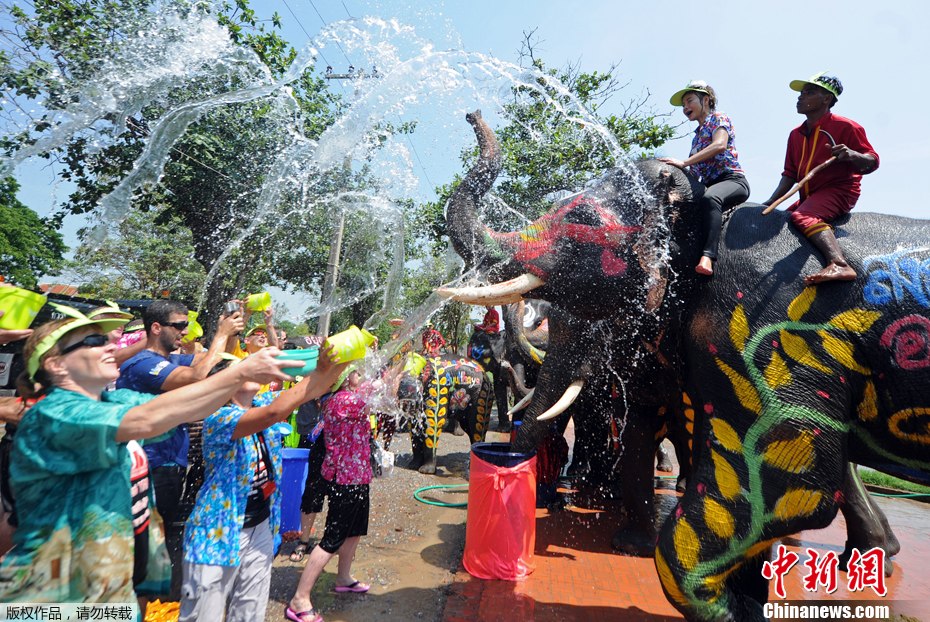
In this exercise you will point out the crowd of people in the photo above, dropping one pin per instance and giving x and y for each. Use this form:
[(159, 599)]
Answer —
[(98, 471), (97, 464)]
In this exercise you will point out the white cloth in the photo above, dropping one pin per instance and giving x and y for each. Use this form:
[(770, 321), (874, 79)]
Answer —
[(242, 591)]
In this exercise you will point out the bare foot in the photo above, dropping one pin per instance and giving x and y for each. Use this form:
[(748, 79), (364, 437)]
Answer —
[(833, 272), (705, 266)]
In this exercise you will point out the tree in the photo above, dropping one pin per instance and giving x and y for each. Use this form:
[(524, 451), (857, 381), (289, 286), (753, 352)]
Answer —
[(150, 257), (30, 247), (213, 173), (556, 139)]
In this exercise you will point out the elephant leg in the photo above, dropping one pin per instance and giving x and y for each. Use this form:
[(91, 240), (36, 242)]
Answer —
[(866, 525), (500, 399), (663, 460), (387, 425), (436, 402), (637, 486), (708, 550)]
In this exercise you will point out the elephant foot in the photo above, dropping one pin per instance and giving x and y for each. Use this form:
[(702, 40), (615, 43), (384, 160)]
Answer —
[(847, 553), (429, 466), (634, 543), (663, 461), (682, 484), (503, 426), (415, 462), (457, 429)]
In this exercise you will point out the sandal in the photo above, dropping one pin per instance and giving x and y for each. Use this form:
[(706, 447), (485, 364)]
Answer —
[(311, 615), (300, 551)]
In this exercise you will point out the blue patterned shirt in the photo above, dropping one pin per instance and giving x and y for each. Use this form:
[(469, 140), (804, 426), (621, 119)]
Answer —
[(725, 162), (211, 535)]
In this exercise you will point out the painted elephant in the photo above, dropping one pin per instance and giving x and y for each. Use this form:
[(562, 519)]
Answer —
[(792, 384), (437, 393), (489, 351)]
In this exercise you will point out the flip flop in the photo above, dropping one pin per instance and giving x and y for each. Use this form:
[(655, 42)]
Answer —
[(302, 616), (358, 587)]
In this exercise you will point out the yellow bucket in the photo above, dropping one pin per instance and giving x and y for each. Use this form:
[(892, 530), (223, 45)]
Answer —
[(351, 344), (194, 329), (19, 306), (258, 302)]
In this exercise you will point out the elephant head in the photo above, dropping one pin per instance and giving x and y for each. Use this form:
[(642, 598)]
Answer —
[(604, 244), (601, 258)]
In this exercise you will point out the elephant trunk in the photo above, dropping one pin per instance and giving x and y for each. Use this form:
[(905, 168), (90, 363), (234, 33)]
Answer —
[(466, 232), (563, 373)]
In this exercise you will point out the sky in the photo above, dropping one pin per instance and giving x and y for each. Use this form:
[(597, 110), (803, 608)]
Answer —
[(748, 51)]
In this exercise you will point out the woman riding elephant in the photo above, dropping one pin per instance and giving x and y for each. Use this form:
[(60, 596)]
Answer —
[(714, 161)]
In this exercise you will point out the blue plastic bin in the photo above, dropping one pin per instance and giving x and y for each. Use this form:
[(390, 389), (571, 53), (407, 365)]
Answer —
[(293, 478)]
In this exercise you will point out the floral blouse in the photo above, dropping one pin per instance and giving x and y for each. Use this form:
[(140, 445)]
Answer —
[(726, 162), (348, 439), (211, 535)]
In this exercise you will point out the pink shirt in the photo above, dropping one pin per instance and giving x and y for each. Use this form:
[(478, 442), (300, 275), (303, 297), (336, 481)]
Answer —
[(348, 439)]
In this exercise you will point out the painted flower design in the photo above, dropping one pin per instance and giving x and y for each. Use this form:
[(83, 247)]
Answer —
[(908, 340)]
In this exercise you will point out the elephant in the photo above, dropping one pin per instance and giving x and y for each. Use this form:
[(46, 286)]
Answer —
[(792, 384), (437, 393), (489, 350)]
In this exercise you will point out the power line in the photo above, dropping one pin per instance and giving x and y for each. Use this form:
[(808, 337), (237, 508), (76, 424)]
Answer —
[(325, 24), (407, 136)]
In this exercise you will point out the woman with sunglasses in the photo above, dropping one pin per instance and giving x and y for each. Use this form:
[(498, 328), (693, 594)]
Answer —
[(714, 161), (70, 467)]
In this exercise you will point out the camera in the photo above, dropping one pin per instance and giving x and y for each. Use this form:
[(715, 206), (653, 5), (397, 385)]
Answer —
[(230, 307)]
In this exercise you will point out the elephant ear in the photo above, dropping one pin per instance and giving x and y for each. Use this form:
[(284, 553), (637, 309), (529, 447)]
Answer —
[(672, 189)]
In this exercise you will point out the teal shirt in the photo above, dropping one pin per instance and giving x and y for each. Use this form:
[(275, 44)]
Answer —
[(211, 535), (70, 478)]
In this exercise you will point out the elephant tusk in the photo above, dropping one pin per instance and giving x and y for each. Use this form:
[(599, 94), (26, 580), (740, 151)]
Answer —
[(491, 295), (567, 399), (522, 403)]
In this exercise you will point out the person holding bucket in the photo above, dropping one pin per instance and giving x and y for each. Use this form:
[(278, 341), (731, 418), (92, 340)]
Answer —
[(230, 535), (70, 466), (714, 161), (347, 469)]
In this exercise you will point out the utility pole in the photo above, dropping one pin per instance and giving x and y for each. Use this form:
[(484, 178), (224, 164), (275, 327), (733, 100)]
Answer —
[(335, 247)]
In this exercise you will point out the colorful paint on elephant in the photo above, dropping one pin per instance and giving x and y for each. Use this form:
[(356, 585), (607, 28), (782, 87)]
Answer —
[(894, 277), (450, 387), (534, 245), (782, 428)]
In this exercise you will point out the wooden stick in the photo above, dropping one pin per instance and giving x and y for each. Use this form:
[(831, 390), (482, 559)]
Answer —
[(798, 185)]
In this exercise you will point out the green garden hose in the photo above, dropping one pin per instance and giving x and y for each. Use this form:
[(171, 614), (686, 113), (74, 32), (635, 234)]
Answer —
[(442, 504)]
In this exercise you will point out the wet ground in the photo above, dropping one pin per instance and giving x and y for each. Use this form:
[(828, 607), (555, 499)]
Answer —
[(412, 557)]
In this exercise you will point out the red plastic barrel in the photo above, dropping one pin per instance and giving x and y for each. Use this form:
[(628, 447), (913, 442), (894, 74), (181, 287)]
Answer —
[(500, 532)]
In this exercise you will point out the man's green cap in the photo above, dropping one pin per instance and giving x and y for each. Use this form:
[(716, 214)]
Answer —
[(831, 83)]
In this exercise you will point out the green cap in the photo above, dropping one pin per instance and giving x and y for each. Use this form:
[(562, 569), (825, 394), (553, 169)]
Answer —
[(695, 85), (80, 320), (831, 83), (110, 308), (342, 378)]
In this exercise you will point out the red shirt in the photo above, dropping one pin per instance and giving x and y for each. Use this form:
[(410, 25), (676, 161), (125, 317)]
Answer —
[(806, 150)]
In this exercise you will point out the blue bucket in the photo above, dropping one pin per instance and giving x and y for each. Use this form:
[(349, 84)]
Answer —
[(293, 478)]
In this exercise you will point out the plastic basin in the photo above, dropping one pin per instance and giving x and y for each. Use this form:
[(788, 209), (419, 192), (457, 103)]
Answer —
[(19, 306), (308, 357)]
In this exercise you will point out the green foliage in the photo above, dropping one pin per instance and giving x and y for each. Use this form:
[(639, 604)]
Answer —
[(546, 149), (30, 247), (150, 257)]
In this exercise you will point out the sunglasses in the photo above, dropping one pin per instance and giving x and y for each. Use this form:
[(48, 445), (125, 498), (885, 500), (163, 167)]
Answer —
[(175, 325), (94, 340)]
